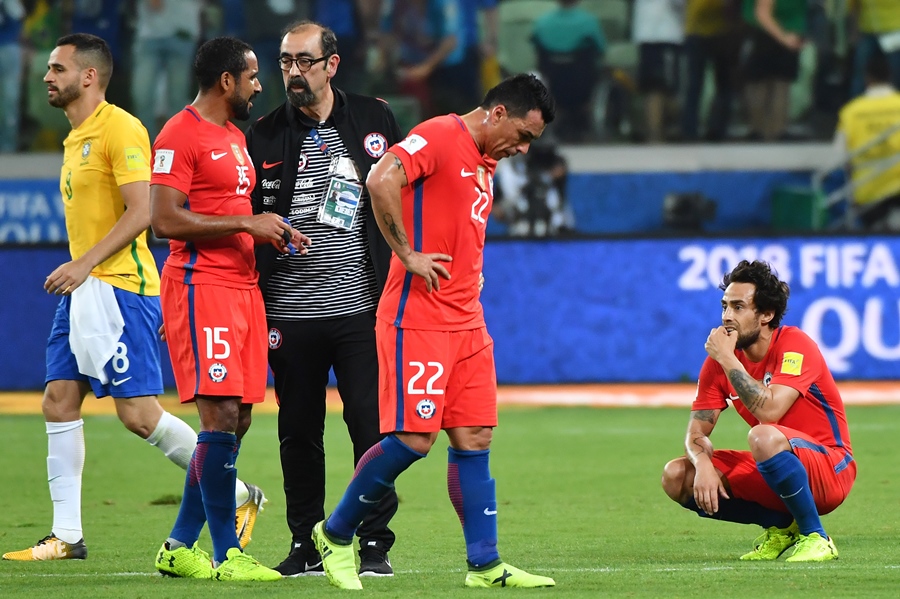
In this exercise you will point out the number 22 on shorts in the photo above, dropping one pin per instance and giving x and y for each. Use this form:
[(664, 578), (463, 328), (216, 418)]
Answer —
[(416, 387)]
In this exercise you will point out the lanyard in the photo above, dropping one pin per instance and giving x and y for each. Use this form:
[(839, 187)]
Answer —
[(314, 134)]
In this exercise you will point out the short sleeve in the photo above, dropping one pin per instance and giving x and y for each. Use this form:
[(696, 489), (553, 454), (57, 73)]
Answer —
[(422, 151), (174, 157), (797, 363), (711, 392), (128, 149)]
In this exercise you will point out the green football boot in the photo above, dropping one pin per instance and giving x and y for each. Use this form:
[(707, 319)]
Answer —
[(813, 548), (240, 566), (338, 560), (772, 543), (184, 562), (499, 574)]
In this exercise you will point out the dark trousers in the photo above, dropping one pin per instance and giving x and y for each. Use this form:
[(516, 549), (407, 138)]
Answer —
[(309, 348), (722, 51)]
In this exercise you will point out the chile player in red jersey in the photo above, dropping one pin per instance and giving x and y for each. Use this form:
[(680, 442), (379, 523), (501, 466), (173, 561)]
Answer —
[(212, 308), (800, 463), (431, 194)]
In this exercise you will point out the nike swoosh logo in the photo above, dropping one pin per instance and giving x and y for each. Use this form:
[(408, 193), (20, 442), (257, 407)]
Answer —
[(488, 512), (229, 466), (364, 500), (465, 173), (271, 164), (217, 156), (733, 397), (116, 383)]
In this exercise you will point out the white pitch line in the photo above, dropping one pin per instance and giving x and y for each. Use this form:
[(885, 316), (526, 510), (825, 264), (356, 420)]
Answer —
[(598, 570), (75, 574)]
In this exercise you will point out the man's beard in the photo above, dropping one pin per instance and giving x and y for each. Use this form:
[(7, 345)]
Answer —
[(299, 99), (65, 96), (241, 106), (745, 341)]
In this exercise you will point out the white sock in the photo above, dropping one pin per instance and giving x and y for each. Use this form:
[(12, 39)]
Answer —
[(65, 463), (241, 493), (175, 438)]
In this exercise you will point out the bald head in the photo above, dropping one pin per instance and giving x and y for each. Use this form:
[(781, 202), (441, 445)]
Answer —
[(327, 42)]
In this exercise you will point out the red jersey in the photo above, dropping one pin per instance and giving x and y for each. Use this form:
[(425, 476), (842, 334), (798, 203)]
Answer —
[(445, 210), (211, 165), (793, 360)]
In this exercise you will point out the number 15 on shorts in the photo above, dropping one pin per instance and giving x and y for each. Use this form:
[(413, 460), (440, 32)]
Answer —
[(217, 348)]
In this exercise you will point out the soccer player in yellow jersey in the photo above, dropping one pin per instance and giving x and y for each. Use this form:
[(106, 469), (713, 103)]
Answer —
[(863, 120), (104, 335)]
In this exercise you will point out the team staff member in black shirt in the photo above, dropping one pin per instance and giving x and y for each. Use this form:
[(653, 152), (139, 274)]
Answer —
[(311, 156)]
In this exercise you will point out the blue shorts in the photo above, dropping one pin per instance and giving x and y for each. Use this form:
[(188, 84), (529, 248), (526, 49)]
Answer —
[(135, 370)]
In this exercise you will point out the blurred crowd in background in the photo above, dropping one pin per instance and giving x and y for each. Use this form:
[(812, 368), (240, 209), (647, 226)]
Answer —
[(622, 71)]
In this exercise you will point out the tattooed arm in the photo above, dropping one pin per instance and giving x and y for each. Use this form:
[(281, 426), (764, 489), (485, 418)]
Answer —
[(768, 404), (697, 446), (385, 183), (708, 485)]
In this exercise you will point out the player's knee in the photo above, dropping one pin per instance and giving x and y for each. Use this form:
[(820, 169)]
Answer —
[(676, 479), (765, 441), (59, 404), (418, 442), (481, 439), (134, 422), (140, 415)]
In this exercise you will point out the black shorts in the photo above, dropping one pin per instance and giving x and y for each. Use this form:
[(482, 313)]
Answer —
[(659, 67), (766, 59)]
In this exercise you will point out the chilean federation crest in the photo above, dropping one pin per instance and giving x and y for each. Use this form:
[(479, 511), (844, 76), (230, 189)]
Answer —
[(217, 372), (425, 409), (375, 144), (274, 338), (238, 154)]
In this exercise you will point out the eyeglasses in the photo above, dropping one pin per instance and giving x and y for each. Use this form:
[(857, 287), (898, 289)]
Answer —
[(303, 64)]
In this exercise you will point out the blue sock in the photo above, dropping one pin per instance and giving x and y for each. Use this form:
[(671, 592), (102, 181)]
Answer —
[(191, 515), (474, 496), (744, 512), (785, 474), (217, 479), (373, 479)]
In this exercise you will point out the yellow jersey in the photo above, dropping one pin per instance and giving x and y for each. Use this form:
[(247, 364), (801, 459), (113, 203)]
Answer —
[(861, 121), (707, 18), (878, 16), (109, 149)]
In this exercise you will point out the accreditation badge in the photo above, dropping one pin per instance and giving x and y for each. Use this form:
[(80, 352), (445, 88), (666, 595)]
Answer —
[(340, 205)]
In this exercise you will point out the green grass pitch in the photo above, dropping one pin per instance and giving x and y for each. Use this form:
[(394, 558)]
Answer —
[(579, 500)]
